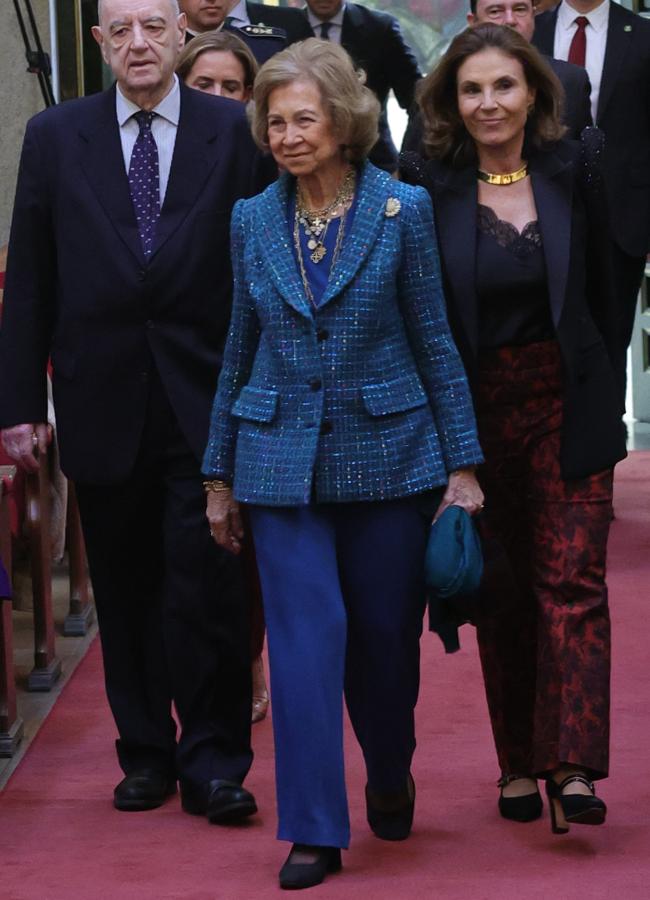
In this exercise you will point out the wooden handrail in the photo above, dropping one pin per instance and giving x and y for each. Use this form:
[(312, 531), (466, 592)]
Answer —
[(47, 668), (11, 725)]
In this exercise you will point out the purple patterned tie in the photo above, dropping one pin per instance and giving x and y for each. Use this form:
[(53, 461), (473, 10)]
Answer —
[(144, 181)]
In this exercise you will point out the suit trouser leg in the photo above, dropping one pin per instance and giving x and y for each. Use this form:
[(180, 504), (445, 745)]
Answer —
[(207, 635), (125, 562), (381, 549), (172, 609), (306, 634), (545, 662), (319, 567)]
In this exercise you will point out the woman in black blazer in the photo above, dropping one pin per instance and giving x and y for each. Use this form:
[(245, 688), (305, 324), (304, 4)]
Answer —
[(522, 229)]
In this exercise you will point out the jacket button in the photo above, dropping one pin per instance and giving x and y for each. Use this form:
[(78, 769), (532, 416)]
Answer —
[(142, 275), (326, 428), (150, 323), (315, 384), (322, 334), (144, 376)]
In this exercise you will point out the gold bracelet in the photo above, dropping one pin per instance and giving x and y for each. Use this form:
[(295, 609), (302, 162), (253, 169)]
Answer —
[(216, 487)]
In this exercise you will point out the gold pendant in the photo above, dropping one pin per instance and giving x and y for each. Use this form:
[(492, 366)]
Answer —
[(319, 253)]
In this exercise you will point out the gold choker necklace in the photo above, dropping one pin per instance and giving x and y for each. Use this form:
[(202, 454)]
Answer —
[(509, 178)]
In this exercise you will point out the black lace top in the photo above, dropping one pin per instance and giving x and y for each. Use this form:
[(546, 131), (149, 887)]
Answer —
[(511, 283)]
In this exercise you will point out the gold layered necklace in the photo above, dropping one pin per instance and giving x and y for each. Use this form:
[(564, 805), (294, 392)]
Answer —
[(316, 222), (507, 178)]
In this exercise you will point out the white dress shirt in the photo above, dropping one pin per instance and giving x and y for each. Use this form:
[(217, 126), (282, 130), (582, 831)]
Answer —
[(163, 129), (238, 15), (336, 24), (596, 37)]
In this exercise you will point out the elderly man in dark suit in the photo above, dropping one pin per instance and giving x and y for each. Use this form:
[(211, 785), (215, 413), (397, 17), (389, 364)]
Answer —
[(375, 43), (119, 269), (613, 44), (520, 15), (264, 29)]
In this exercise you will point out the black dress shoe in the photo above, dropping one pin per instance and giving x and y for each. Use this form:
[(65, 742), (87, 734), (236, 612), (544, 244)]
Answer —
[(391, 817), (295, 875), (223, 802), (526, 808), (143, 789)]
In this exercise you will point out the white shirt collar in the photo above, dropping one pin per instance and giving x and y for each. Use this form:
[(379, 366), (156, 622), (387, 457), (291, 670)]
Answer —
[(314, 21), (169, 107), (598, 17), (239, 14)]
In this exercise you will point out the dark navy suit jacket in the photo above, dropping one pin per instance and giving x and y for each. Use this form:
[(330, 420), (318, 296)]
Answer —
[(624, 115), (79, 288)]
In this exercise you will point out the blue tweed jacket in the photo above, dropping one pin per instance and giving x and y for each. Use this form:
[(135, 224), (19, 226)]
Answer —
[(364, 398)]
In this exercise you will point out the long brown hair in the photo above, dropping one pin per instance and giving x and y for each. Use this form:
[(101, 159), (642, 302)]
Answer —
[(445, 135)]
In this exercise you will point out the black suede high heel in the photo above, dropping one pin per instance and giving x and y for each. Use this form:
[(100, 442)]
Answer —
[(526, 808), (391, 817), (294, 875), (578, 809)]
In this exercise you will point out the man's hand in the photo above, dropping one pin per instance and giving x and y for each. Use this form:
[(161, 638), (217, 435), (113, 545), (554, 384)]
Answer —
[(20, 442), (225, 520)]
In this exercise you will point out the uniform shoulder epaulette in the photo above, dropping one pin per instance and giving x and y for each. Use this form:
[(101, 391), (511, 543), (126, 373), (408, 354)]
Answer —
[(261, 30)]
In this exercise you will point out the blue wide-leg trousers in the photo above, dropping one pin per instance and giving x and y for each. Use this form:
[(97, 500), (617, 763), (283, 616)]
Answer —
[(343, 601)]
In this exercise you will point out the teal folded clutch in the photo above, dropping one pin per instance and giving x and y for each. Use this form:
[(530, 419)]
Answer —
[(454, 561)]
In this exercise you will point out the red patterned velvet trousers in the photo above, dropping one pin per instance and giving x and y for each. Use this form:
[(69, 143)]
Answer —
[(546, 660)]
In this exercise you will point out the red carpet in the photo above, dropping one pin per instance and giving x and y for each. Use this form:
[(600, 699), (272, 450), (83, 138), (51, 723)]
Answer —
[(62, 840)]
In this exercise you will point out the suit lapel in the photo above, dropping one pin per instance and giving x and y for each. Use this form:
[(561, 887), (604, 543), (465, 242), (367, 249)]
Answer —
[(195, 156), (544, 35), (618, 42), (552, 183), (350, 32), (369, 217), (102, 162), (275, 241), (455, 210)]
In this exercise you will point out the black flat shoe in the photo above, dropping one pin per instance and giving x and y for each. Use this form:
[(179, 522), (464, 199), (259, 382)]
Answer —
[(222, 802), (391, 817), (578, 809), (143, 789), (295, 876), (526, 808)]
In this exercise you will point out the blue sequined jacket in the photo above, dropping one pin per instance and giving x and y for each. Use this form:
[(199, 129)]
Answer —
[(363, 398)]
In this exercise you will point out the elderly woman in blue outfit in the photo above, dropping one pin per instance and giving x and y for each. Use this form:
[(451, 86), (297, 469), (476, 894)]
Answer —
[(342, 420)]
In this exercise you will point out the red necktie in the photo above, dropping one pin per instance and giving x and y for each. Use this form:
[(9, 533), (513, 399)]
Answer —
[(578, 48)]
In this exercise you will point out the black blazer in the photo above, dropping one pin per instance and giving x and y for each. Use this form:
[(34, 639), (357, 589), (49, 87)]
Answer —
[(624, 115), (577, 108), (573, 220), (577, 96), (79, 287), (375, 42)]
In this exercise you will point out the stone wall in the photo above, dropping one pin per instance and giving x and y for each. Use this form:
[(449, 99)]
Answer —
[(20, 98)]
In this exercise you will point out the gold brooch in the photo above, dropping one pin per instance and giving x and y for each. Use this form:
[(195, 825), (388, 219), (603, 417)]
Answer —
[(393, 206)]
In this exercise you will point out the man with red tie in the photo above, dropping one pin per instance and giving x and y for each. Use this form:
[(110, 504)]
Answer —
[(613, 44)]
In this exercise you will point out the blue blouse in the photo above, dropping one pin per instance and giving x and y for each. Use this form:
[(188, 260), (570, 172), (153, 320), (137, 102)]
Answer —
[(318, 273)]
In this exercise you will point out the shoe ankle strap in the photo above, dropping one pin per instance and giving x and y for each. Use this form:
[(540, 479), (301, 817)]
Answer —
[(508, 777), (575, 779)]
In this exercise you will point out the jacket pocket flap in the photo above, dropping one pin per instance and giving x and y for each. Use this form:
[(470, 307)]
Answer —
[(393, 396), (256, 404)]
